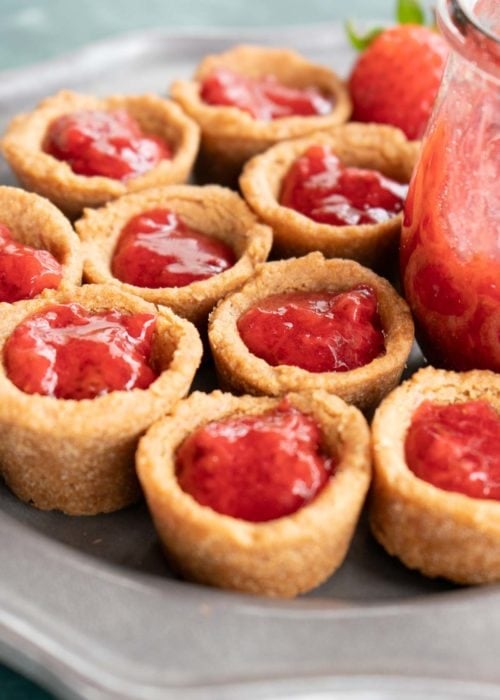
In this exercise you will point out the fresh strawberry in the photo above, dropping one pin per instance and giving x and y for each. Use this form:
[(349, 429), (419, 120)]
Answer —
[(395, 80)]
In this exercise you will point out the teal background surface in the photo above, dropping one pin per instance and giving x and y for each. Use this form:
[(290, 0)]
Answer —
[(33, 31)]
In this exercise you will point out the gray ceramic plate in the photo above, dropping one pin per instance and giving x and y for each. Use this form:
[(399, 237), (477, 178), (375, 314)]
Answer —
[(88, 606)]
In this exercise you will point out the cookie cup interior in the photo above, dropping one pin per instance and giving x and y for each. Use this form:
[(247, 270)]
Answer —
[(371, 146), (230, 136), (282, 557), (438, 532), (213, 210), (40, 172), (78, 456), (244, 372), (35, 222)]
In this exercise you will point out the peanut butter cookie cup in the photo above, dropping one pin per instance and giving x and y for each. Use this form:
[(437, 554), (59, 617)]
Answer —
[(55, 150), (231, 134), (278, 557), (358, 216), (435, 500), (337, 326), (31, 224), (78, 455), (185, 257)]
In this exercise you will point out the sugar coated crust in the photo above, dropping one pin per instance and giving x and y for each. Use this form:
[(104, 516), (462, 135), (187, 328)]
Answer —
[(35, 222), (243, 372), (78, 456), (213, 210), (38, 171), (282, 557), (230, 136), (438, 532), (372, 146)]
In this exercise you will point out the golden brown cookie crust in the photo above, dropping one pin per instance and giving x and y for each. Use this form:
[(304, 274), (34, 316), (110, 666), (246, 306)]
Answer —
[(243, 372), (230, 136), (438, 532), (371, 146), (213, 210), (78, 456), (282, 557), (34, 221), (54, 179)]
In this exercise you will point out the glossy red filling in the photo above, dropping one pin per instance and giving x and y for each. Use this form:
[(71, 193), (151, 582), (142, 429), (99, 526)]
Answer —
[(264, 99), (110, 144), (68, 352), (256, 468), (157, 249), (317, 331), (319, 186), (456, 447), (25, 271)]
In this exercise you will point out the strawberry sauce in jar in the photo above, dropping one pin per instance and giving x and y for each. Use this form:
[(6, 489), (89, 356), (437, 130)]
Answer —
[(450, 252)]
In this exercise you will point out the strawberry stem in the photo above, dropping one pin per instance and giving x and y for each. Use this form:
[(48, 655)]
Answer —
[(361, 41), (409, 12)]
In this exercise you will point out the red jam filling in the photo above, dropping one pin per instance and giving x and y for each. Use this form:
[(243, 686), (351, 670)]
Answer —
[(157, 249), (110, 144), (68, 352), (317, 331), (456, 447), (319, 186), (256, 468), (25, 271), (264, 99)]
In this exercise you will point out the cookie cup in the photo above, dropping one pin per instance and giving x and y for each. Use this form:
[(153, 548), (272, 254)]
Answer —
[(282, 557), (231, 136), (213, 210), (40, 172), (370, 146), (78, 456), (438, 532), (243, 372), (35, 222)]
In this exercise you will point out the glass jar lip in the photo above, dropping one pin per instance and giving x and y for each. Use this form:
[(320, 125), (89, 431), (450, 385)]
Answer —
[(474, 20), (471, 38)]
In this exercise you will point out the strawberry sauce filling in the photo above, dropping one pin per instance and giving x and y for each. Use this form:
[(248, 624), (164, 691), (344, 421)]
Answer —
[(256, 468), (25, 271), (110, 144), (316, 331), (456, 447), (68, 352), (157, 249), (264, 99), (319, 186)]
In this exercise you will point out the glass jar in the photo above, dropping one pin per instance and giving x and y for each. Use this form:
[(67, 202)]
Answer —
[(450, 250)]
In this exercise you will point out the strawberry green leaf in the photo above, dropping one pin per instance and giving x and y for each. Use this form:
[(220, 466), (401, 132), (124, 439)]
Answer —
[(361, 42), (409, 12)]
